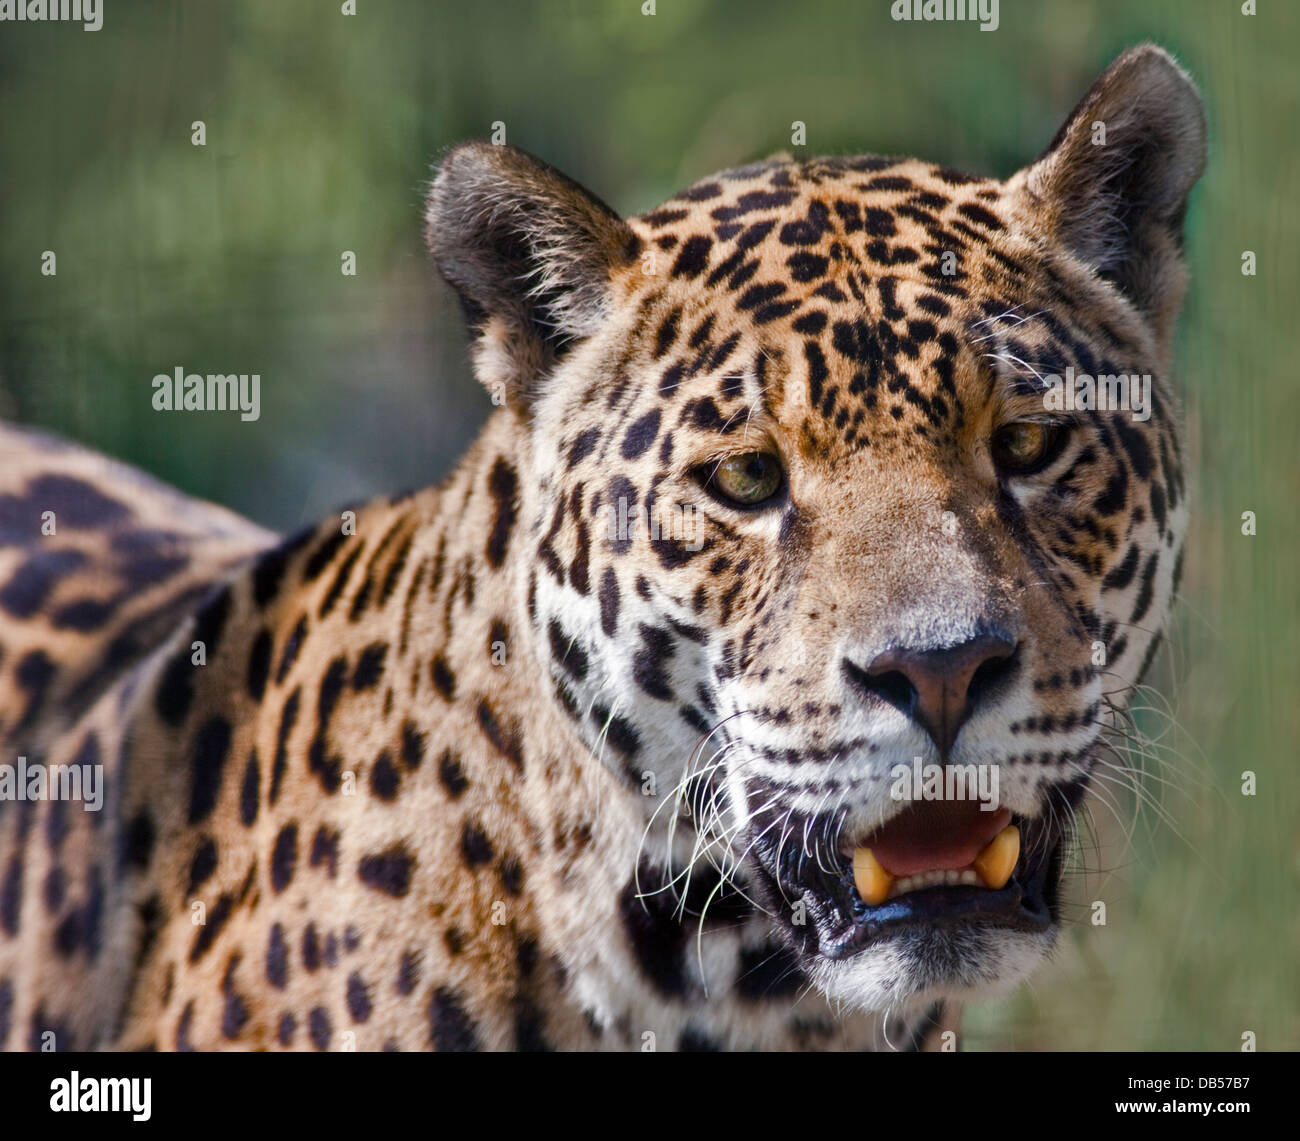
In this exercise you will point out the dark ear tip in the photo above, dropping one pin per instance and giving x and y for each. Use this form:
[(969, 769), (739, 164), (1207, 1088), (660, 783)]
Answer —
[(1170, 94), (1158, 66), (458, 175), (1147, 89), (1152, 73), (477, 173), (465, 165), (1147, 54), (479, 155), (1146, 63)]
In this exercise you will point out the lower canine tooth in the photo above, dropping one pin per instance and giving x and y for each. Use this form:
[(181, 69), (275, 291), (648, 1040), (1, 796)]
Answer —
[(872, 881), (996, 863)]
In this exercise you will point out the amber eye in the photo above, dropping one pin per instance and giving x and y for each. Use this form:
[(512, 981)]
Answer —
[(745, 480), (1025, 446)]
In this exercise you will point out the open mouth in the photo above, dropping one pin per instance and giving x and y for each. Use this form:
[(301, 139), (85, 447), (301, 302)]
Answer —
[(940, 864)]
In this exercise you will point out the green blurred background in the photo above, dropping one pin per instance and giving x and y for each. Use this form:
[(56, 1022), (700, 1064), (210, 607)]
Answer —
[(320, 131)]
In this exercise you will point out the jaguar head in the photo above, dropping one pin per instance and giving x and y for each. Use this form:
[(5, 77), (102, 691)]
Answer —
[(856, 501)]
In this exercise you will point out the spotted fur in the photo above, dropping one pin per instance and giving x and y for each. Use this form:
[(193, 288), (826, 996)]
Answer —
[(472, 770)]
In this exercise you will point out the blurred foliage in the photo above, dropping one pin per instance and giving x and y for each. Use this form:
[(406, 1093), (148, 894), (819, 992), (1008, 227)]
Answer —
[(320, 131)]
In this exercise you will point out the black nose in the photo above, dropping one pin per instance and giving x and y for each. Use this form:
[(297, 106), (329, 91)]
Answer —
[(939, 688)]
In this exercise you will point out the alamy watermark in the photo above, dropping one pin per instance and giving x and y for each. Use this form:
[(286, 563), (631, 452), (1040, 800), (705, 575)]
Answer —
[(37, 781), (89, 13), (215, 392), (919, 781), (679, 522), (1106, 392), (75, 1094), (985, 11)]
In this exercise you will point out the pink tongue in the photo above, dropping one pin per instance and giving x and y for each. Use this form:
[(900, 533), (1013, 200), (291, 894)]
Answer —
[(936, 836)]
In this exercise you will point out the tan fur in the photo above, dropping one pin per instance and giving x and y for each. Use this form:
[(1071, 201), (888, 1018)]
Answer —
[(441, 753)]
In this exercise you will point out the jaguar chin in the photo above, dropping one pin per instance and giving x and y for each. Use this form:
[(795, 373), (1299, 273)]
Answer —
[(891, 903), (941, 933)]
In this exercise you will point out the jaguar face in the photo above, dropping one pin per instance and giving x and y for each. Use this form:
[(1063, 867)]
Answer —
[(830, 568), (891, 530)]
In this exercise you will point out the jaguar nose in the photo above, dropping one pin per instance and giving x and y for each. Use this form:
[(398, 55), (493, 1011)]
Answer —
[(939, 688)]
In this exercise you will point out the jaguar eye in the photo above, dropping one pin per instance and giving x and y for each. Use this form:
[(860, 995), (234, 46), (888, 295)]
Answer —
[(1024, 446), (746, 480)]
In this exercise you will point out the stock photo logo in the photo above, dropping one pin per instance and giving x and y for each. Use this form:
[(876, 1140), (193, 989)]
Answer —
[(88, 13)]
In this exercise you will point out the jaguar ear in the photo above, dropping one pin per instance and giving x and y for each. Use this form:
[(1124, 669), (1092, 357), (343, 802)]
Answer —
[(529, 252), (1113, 184)]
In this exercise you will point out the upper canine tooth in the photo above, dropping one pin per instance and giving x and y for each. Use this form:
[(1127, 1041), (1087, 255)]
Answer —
[(872, 881), (996, 863)]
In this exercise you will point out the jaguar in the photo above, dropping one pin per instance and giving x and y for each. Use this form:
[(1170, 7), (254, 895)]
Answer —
[(594, 745)]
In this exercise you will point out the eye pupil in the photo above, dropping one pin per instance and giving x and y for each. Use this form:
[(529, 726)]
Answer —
[(1023, 446), (747, 479)]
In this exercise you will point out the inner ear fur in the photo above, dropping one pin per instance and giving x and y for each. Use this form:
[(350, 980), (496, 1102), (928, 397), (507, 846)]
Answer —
[(530, 254)]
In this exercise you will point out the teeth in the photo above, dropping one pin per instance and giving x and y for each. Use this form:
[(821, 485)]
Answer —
[(992, 868), (996, 863), (946, 877), (872, 881)]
